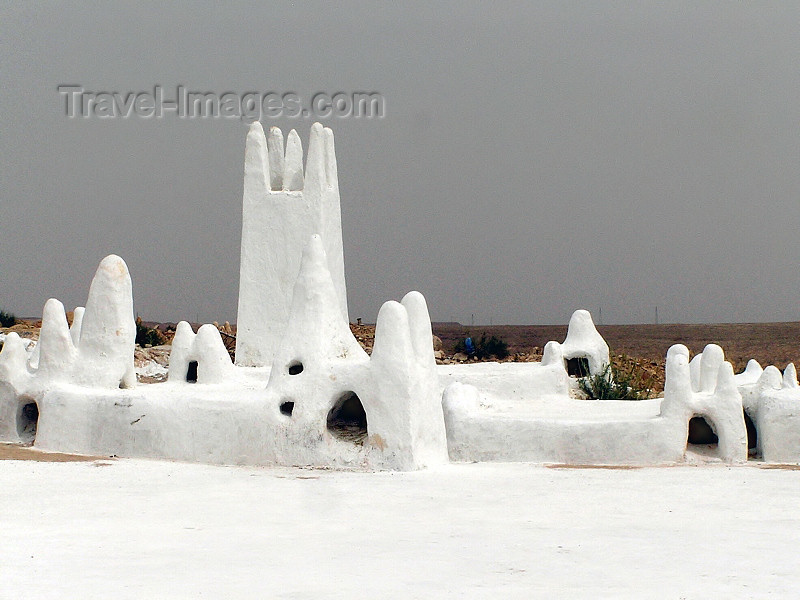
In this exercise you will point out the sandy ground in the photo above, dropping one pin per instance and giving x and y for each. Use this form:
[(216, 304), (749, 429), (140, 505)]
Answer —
[(148, 529), (25, 452)]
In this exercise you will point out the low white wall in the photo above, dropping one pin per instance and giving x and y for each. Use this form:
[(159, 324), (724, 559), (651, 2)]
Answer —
[(219, 424), (591, 436), (508, 381), (778, 425), (602, 431)]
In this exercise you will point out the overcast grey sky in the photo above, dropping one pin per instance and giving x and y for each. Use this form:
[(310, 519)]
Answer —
[(534, 159)]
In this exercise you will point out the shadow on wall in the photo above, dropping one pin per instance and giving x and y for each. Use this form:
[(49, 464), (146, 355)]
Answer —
[(752, 434)]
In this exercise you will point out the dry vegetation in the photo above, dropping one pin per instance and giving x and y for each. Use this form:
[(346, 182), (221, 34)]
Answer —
[(645, 346), (640, 348)]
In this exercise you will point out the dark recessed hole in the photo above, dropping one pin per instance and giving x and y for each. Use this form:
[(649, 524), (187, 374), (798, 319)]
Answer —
[(752, 433), (191, 372), (347, 419), (287, 408), (700, 432), (27, 421), (578, 366), (295, 368)]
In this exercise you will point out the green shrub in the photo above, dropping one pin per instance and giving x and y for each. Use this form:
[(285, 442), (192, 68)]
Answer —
[(615, 383), (484, 347), (7, 319), (492, 346)]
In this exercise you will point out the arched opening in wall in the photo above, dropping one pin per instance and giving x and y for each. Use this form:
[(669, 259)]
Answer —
[(701, 432), (347, 419), (27, 421), (191, 372), (578, 366), (702, 439), (752, 435)]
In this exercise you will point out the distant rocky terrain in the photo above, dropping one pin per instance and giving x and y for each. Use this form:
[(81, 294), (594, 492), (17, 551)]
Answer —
[(640, 348)]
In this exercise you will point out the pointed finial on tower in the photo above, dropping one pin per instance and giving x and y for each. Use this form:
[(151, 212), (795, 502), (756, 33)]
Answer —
[(331, 171), (316, 180), (256, 168), (293, 169), (276, 158)]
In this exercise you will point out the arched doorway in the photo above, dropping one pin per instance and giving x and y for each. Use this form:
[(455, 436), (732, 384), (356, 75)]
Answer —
[(27, 421), (347, 419), (702, 440), (701, 433)]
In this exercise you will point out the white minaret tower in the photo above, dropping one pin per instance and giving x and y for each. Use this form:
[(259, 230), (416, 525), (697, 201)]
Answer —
[(282, 207)]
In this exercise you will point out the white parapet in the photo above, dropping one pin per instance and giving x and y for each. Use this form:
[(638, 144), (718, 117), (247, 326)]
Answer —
[(282, 206)]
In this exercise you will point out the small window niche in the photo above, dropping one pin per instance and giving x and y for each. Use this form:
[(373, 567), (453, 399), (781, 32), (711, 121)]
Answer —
[(191, 372), (578, 366)]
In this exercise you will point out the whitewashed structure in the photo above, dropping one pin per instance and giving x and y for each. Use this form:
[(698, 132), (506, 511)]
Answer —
[(569, 431), (283, 206), (324, 402), (304, 392)]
